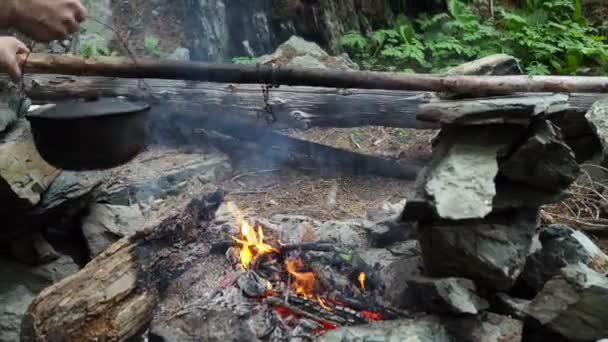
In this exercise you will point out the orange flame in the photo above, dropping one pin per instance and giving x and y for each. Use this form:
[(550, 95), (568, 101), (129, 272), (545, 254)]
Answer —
[(304, 282), (362, 280), (252, 244)]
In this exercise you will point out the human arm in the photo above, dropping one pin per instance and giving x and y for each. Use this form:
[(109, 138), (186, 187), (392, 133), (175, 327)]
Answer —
[(12, 55), (43, 20)]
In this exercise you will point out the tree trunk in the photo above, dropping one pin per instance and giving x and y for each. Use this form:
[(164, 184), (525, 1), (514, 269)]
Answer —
[(114, 296)]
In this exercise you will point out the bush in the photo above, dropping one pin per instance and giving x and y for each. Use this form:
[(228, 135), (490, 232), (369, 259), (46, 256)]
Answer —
[(548, 36)]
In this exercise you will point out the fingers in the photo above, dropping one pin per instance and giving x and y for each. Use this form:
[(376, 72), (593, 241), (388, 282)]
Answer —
[(45, 20), (80, 12), (12, 57)]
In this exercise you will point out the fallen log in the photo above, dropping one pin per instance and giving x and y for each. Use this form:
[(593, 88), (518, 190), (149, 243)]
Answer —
[(293, 107), (261, 74), (113, 297)]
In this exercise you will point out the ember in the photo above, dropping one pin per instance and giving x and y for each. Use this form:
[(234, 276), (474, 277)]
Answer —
[(312, 282)]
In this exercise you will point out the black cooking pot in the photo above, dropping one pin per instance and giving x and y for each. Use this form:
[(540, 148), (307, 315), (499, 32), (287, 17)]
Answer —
[(90, 135)]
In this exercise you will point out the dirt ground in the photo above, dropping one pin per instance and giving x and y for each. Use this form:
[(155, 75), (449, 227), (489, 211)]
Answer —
[(272, 190)]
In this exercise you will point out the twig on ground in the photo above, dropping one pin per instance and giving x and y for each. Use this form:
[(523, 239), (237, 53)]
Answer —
[(332, 131), (239, 176), (352, 139)]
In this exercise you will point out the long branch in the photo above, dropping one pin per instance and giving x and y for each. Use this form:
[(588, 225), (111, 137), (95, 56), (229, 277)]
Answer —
[(235, 73)]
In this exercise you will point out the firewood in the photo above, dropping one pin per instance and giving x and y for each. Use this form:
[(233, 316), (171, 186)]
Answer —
[(114, 295)]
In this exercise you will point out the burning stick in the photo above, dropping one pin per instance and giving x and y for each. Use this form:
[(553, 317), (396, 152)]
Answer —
[(276, 302)]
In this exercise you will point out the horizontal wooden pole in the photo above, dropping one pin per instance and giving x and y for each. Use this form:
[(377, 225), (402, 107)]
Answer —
[(237, 73)]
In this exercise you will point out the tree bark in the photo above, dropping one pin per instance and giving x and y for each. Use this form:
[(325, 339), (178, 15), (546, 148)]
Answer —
[(293, 107), (114, 296), (256, 74)]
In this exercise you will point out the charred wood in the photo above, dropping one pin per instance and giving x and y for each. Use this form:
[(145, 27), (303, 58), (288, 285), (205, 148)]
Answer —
[(114, 296)]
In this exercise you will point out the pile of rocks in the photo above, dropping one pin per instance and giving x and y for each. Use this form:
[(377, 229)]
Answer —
[(477, 209)]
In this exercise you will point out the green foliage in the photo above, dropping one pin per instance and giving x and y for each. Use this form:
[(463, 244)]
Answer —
[(244, 60), (90, 49), (151, 46), (548, 36)]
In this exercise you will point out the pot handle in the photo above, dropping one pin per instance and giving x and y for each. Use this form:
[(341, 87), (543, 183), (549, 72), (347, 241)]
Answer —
[(39, 110)]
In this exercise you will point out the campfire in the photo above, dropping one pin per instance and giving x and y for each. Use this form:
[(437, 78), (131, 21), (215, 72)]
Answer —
[(312, 287)]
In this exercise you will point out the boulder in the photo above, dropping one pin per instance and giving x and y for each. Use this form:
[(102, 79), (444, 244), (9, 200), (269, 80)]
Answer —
[(597, 116), (297, 52), (395, 276), (543, 160), (24, 175), (574, 304), (444, 295), (486, 327), (492, 252), (561, 246), (180, 54), (105, 224), (460, 177), (510, 306), (19, 284), (498, 64)]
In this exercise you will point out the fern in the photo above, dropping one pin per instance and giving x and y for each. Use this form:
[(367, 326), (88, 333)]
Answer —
[(548, 36)]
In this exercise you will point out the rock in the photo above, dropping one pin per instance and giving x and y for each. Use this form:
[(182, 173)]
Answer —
[(213, 326), (24, 175), (543, 160), (19, 285), (424, 329), (345, 233), (460, 177), (297, 52), (12, 104), (498, 64), (513, 307), (159, 174), (444, 295), (105, 224), (598, 120), (306, 61), (297, 46), (180, 54), (395, 276), (486, 327), (561, 246), (492, 252), (574, 304)]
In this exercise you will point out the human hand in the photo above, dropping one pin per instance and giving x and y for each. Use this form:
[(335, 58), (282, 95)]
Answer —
[(46, 20), (12, 56)]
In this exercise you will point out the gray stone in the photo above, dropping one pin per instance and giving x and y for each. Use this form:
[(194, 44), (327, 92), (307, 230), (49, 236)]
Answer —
[(69, 188), (159, 174), (12, 104), (180, 54), (460, 178), (513, 307), (344, 233), (444, 295), (426, 329), (24, 175), (306, 61), (597, 116), (486, 327), (300, 46), (395, 276), (561, 246), (492, 252), (104, 224), (19, 284), (574, 304), (543, 160), (498, 64)]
